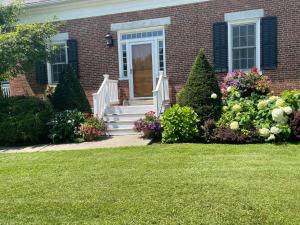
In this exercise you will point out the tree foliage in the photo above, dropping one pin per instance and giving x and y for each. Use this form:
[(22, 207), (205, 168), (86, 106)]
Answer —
[(22, 45), (69, 94), (201, 85)]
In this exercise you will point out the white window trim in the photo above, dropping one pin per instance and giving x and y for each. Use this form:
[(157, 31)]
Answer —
[(127, 42), (240, 18), (58, 39)]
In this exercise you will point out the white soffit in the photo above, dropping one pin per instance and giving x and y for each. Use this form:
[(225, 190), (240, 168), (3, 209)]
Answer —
[(91, 8), (244, 15)]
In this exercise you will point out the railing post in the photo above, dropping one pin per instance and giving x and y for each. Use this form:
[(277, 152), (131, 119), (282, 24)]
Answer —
[(161, 74)]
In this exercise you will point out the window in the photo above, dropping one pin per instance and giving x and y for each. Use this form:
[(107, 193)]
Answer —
[(243, 47), (155, 36), (124, 60), (244, 39), (161, 56), (59, 62), (158, 33)]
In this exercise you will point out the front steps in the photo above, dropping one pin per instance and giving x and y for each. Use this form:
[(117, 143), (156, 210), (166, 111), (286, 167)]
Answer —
[(120, 119)]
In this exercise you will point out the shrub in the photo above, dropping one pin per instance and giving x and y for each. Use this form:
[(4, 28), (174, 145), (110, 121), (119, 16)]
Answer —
[(202, 92), (292, 98), (208, 130), (92, 128), (295, 125), (23, 120), (245, 84), (224, 134), (69, 94), (180, 125), (150, 126), (64, 127)]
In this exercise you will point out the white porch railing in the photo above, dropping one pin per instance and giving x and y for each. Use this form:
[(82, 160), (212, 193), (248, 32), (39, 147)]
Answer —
[(107, 94), (161, 93), (5, 88)]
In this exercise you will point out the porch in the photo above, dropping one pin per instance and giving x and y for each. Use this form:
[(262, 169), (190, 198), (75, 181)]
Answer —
[(120, 116)]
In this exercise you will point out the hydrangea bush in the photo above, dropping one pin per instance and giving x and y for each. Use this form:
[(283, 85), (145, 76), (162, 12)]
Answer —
[(249, 105), (245, 84)]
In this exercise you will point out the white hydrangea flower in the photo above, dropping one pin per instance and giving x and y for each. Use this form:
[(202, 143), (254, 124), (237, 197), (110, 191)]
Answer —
[(236, 108), (264, 132), (234, 125), (275, 130), (271, 138), (273, 98), (278, 116), (288, 110), (69, 121), (262, 104), (214, 96), (280, 102), (228, 89)]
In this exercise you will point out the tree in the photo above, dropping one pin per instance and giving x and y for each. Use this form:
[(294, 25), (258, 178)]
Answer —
[(69, 93), (202, 92), (22, 45)]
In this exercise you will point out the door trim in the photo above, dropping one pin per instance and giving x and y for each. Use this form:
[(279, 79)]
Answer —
[(130, 66)]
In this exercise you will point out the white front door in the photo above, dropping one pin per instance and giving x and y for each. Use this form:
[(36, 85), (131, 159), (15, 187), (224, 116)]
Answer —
[(141, 69)]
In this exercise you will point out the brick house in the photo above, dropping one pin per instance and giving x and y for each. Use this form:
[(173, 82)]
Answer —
[(133, 40)]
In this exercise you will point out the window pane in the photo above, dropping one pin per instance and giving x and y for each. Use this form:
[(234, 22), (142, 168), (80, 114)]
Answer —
[(235, 31), (236, 54), (251, 29), (251, 40), (251, 63), (244, 64), (236, 42), (243, 41), (251, 53), (243, 30), (243, 53), (236, 64)]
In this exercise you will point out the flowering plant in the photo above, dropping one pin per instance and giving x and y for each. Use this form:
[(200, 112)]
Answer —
[(65, 125), (50, 89), (150, 125), (244, 84), (92, 128)]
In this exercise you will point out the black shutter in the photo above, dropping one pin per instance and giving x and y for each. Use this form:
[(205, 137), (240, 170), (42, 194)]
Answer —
[(73, 56), (269, 43), (220, 45), (41, 73)]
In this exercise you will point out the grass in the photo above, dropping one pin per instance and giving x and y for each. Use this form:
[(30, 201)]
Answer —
[(160, 184)]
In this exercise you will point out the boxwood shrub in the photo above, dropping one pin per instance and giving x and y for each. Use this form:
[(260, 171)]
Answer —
[(23, 120)]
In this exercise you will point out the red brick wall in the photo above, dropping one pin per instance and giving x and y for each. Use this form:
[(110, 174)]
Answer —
[(190, 30)]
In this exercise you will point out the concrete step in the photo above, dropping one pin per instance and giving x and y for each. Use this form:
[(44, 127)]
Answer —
[(121, 132), (140, 109), (122, 117), (120, 125), (145, 101)]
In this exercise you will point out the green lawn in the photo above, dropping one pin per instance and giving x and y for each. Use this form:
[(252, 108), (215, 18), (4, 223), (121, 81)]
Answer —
[(159, 184)]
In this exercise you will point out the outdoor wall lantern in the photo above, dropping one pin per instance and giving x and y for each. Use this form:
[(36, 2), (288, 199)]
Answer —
[(109, 40)]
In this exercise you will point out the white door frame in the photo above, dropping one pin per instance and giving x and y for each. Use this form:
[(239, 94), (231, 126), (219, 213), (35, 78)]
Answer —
[(155, 53), (130, 65)]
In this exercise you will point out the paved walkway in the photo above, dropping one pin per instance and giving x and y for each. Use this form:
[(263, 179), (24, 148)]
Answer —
[(110, 142)]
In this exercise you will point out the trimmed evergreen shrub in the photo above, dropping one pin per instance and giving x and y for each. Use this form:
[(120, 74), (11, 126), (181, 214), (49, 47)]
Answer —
[(180, 125), (23, 120), (202, 92), (69, 94)]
